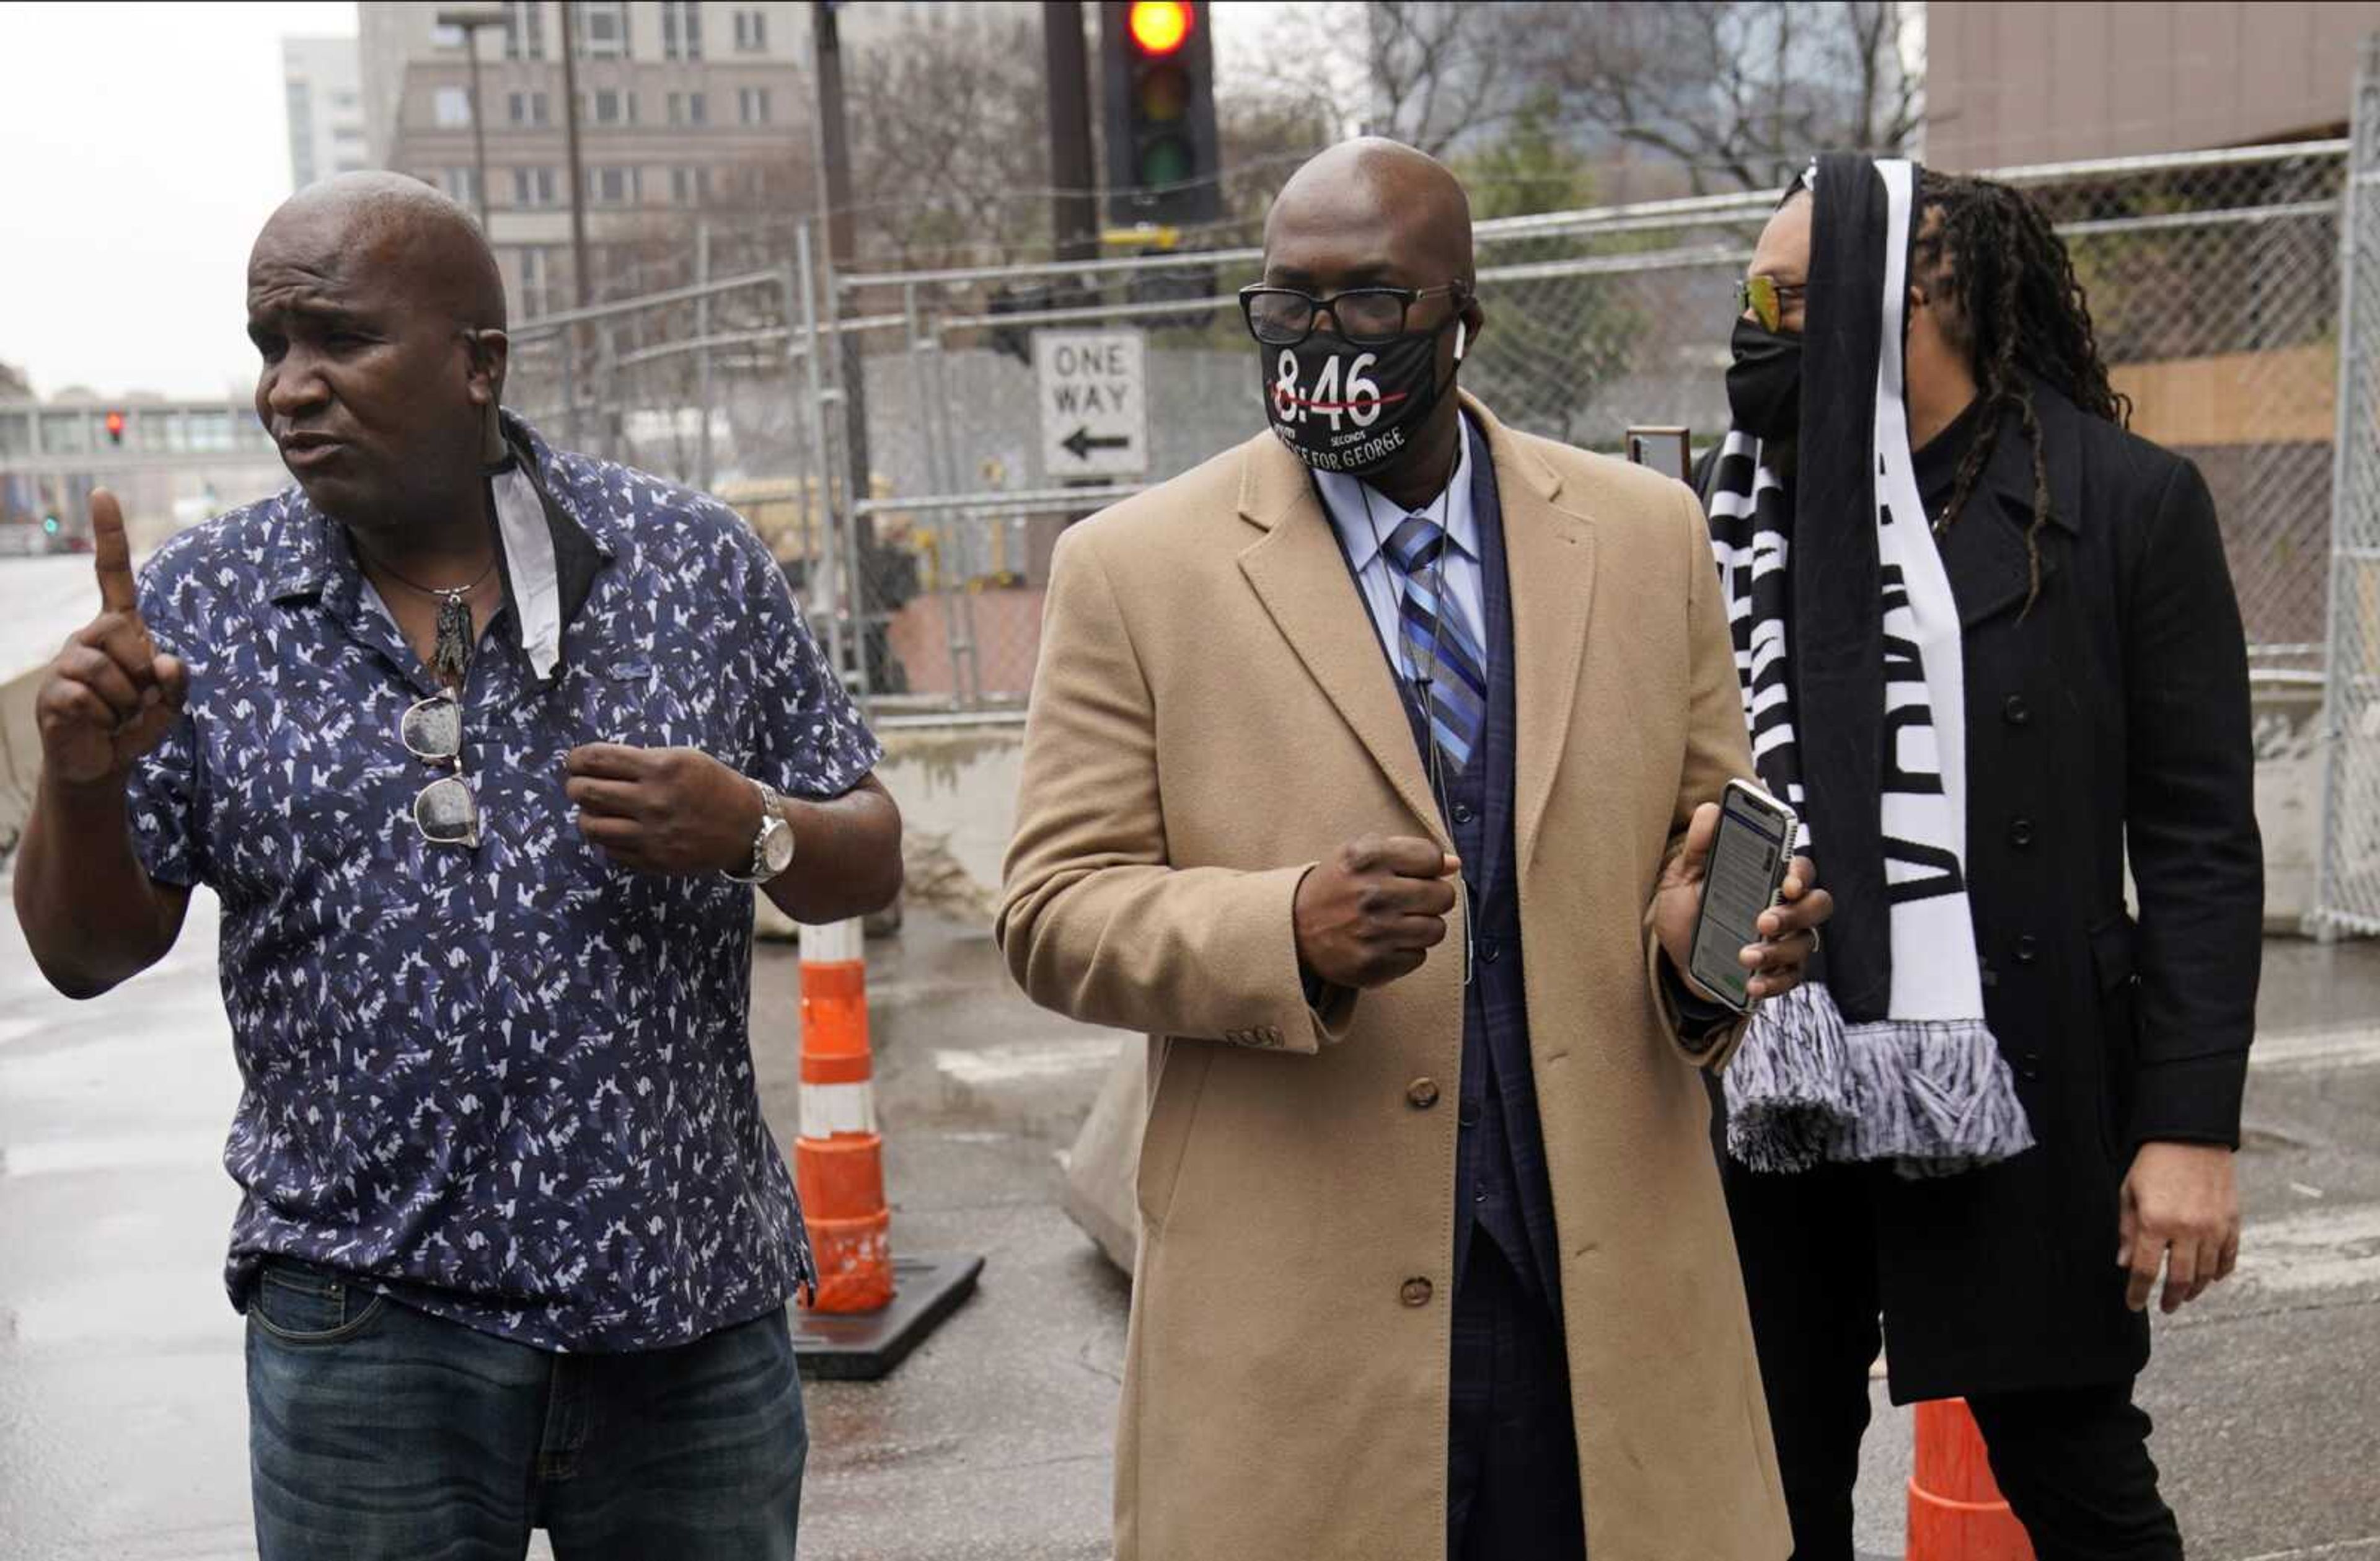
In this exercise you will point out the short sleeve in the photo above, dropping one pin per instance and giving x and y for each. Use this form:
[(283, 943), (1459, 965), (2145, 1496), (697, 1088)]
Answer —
[(161, 793), (809, 739)]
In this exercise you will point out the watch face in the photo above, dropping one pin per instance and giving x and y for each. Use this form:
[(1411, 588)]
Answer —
[(777, 849)]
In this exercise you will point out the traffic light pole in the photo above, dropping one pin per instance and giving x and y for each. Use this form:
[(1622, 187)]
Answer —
[(1074, 200)]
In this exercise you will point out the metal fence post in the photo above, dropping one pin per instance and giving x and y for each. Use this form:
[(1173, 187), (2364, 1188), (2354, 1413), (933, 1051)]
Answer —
[(702, 380), (2347, 885), (825, 586)]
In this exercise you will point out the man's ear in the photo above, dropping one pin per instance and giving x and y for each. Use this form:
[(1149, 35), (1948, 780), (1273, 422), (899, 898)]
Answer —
[(491, 354)]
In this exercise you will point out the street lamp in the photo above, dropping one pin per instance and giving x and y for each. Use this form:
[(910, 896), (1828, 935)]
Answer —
[(469, 24)]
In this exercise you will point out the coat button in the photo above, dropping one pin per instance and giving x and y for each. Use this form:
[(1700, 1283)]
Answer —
[(2028, 948), (2014, 710), (1422, 1094), (1463, 813), (1490, 950), (2020, 833), (1468, 1114), (1415, 1292)]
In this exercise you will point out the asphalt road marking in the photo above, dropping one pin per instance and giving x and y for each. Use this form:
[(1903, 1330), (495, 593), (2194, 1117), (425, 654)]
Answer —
[(2320, 1049), (2320, 1250), (1025, 1061)]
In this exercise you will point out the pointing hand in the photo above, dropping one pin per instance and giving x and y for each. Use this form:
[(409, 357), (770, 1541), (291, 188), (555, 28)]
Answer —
[(110, 697)]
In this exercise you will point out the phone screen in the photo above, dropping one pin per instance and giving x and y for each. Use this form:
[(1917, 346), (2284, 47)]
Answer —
[(1738, 882)]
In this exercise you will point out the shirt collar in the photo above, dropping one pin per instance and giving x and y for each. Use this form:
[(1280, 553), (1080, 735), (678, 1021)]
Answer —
[(310, 560), (1361, 533)]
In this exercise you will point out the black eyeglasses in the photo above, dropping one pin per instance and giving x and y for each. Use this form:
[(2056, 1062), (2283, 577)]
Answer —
[(1366, 316), (445, 811)]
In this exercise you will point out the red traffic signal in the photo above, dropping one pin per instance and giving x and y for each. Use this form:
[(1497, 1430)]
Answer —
[(115, 427), (1160, 25)]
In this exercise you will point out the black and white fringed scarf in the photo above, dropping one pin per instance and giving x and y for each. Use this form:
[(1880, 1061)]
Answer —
[(1858, 720)]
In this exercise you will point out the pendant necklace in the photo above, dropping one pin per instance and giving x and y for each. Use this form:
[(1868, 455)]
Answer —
[(450, 653)]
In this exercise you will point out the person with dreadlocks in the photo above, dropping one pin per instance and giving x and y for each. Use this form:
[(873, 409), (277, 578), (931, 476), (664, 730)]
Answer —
[(1989, 649)]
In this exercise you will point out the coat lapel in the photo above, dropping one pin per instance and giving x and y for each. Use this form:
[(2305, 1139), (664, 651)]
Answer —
[(1299, 574), (1550, 574), (1984, 550)]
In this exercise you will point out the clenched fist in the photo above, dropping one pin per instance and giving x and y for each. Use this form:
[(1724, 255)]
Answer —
[(110, 697), (1374, 911)]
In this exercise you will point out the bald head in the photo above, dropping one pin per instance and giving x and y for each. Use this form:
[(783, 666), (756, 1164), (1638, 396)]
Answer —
[(424, 246), (1390, 195)]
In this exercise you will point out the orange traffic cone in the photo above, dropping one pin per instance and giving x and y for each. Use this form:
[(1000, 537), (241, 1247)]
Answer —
[(855, 1326), (838, 1159), (1956, 1511)]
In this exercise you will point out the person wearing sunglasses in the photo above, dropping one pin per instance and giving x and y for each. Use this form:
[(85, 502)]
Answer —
[(1326, 733), (1990, 651), (483, 746)]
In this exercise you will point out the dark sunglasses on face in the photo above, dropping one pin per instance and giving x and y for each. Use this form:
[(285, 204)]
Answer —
[(445, 811), (1766, 300)]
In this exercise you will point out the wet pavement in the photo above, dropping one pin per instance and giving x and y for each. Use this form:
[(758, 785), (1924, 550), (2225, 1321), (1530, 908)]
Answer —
[(122, 1414)]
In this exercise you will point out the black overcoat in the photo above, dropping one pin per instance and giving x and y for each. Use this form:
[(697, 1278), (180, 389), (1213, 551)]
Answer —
[(2110, 713)]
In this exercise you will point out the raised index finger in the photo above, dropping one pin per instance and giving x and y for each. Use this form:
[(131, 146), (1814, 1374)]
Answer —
[(111, 555)]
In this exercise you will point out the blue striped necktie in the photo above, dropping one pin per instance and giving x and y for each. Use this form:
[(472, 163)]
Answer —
[(1439, 644)]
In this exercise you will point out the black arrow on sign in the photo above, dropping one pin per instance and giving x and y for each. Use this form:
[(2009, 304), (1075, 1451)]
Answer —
[(1082, 442)]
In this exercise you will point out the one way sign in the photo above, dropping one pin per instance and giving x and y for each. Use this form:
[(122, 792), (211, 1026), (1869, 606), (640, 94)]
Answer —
[(1094, 402)]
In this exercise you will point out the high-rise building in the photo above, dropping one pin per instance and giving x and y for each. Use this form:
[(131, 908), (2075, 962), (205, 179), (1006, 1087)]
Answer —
[(684, 107), (324, 94)]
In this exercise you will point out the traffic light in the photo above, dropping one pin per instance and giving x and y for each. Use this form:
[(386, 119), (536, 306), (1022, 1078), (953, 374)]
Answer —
[(116, 428), (1158, 73)]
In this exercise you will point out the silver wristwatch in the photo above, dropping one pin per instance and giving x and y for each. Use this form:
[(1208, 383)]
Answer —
[(772, 844)]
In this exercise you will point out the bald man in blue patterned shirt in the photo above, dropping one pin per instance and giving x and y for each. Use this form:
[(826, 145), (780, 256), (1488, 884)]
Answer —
[(480, 744)]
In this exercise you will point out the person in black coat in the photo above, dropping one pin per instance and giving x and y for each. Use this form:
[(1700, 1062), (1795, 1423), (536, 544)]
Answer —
[(2106, 720)]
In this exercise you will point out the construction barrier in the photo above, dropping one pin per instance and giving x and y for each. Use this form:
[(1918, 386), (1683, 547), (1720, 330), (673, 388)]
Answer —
[(868, 1310), (839, 1159), (1956, 1511)]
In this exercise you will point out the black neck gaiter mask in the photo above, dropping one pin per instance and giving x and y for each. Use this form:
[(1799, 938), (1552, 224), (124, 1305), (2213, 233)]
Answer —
[(1341, 407)]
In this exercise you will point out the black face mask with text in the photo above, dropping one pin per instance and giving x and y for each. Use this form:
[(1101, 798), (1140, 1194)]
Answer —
[(1341, 407), (1764, 384)]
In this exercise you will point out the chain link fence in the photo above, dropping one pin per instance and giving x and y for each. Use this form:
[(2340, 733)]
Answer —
[(909, 457), (2347, 891)]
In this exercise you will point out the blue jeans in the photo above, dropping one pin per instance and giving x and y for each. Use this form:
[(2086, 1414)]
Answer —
[(378, 1432)]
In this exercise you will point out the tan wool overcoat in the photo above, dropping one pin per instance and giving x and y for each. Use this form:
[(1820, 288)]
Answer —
[(1212, 715)]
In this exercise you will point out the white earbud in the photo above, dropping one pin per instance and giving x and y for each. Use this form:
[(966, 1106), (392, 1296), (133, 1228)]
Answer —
[(1461, 335)]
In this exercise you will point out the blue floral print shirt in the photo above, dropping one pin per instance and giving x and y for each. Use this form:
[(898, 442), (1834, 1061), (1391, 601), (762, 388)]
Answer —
[(513, 1085)]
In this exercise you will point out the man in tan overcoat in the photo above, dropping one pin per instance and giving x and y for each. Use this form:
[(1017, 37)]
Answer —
[(1433, 1261)]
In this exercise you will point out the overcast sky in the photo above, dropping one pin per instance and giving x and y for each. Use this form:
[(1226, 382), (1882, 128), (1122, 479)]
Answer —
[(141, 148)]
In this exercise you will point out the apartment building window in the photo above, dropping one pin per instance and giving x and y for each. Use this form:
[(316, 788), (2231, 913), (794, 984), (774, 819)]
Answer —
[(537, 294), (689, 108), (689, 187), (752, 33), (602, 29), (461, 185), (450, 107), (529, 108), (524, 29), (609, 109), (752, 104), (611, 186), (681, 29), (533, 187)]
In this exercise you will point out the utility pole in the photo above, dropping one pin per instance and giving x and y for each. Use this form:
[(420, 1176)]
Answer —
[(1074, 200), (570, 139), (469, 24), (866, 594)]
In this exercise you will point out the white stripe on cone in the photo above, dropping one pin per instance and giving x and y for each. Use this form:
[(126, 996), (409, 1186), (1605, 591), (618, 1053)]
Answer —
[(829, 1109), (833, 943)]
